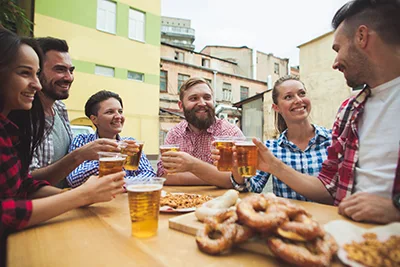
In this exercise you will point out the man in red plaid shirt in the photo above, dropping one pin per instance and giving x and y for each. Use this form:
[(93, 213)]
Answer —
[(194, 137), (360, 173)]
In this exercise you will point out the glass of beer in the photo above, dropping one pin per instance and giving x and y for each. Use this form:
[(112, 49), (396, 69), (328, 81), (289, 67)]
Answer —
[(224, 144), (132, 158), (144, 205), (110, 162), (247, 157), (166, 148)]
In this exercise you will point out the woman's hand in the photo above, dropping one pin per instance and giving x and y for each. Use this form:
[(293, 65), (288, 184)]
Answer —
[(102, 189)]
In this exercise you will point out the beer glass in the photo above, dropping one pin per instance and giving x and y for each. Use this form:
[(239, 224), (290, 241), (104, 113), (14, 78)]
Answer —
[(224, 144), (166, 148), (132, 158), (110, 162), (144, 205), (247, 157)]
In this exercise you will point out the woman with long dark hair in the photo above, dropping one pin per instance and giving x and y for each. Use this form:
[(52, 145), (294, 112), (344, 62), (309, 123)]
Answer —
[(24, 201)]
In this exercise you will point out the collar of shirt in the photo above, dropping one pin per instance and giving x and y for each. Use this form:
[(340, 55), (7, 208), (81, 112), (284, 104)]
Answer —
[(319, 133), (210, 130), (97, 136)]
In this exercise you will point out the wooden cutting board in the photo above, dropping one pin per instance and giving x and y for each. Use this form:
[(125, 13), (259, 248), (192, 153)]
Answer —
[(189, 224)]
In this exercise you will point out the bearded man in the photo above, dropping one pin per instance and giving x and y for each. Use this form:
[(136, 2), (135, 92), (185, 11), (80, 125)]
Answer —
[(194, 135)]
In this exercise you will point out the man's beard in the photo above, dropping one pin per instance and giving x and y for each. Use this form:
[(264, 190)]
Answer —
[(201, 124), (49, 90), (358, 61)]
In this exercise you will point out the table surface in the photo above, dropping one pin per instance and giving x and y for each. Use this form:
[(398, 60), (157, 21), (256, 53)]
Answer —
[(100, 235)]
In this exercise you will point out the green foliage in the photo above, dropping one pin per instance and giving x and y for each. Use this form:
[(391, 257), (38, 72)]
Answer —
[(13, 17)]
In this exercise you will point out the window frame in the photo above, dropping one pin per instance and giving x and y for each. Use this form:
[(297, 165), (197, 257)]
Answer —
[(98, 20), (166, 81), (133, 21), (180, 82), (135, 72), (97, 66)]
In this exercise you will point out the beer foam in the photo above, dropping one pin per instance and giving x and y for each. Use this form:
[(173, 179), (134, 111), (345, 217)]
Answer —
[(112, 159), (144, 187)]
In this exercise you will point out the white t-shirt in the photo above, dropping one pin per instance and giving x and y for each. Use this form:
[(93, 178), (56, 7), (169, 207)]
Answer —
[(379, 140)]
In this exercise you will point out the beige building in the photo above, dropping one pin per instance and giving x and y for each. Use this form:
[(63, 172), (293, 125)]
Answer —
[(253, 64), (327, 87), (178, 65)]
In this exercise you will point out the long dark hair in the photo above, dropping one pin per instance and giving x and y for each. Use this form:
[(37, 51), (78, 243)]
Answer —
[(30, 122), (280, 123)]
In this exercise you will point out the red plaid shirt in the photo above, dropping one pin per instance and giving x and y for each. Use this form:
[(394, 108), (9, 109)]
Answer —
[(15, 185), (337, 173), (198, 144)]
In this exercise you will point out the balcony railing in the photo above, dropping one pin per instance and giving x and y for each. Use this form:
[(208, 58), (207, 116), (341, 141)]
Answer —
[(177, 30)]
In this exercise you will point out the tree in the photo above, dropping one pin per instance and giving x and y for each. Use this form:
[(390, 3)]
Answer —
[(13, 17)]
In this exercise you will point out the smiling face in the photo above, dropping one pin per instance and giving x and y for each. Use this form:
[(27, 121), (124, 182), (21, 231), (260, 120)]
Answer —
[(57, 75), (292, 102), (349, 59), (23, 81), (109, 119), (198, 106)]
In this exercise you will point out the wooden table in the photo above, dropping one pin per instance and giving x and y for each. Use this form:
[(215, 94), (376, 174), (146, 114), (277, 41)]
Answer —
[(100, 235)]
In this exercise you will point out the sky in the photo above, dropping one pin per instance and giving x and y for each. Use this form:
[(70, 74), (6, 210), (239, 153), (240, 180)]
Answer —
[(270, 26)]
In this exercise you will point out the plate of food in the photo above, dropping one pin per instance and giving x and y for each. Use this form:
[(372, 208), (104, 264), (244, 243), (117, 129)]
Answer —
[(181, 202), (359, 247)]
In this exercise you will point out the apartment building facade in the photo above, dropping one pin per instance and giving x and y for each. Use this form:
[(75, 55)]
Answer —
[(115, 45)]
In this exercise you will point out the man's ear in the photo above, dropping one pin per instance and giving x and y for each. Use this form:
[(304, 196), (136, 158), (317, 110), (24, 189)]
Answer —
[(180, 105), (93, 118), (362, 36)]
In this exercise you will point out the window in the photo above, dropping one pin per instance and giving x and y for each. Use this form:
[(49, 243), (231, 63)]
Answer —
[(106, 16), (244, 92), (163, 81), (226, 91), (181, 79), (276, 68), (135, 76), (205, 62), (137, 24), (104, 71), (179, 56)]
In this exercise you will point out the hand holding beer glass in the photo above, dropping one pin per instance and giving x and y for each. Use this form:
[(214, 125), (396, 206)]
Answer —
[(167, 148), (144, 205), (225, 145), (110, 162), (133, 151), (247, 157)]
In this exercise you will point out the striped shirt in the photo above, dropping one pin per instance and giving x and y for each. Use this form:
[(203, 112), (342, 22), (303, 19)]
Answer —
[(91, 167), (308, 161)]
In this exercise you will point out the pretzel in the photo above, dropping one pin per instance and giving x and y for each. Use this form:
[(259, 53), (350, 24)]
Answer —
[(300, 228), (316, 253), (216, 238), (260, 213), (217, 205)]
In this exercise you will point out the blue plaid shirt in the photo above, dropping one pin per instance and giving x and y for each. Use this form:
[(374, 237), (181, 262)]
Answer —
[(308, 161), (91, 167)]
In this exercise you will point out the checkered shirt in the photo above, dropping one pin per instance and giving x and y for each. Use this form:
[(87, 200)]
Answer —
[(91, 167), (43, 155), (337, 173), (308, 161), (15, 184), (198, 144)]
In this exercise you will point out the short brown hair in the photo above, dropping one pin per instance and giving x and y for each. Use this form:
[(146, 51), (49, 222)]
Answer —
[(190, 83)]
